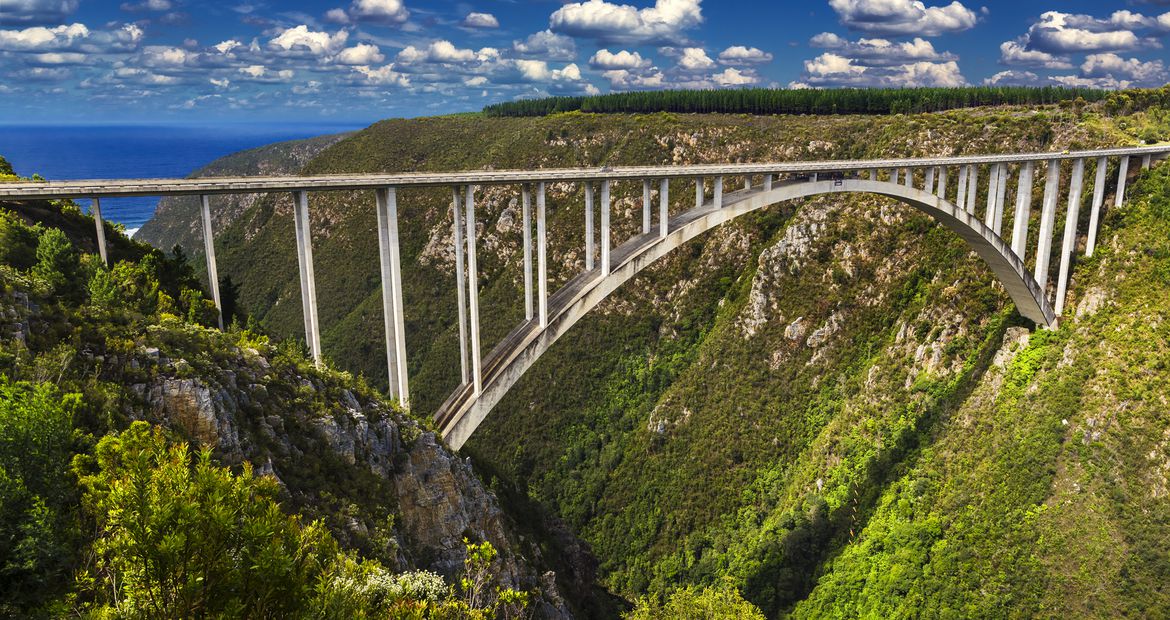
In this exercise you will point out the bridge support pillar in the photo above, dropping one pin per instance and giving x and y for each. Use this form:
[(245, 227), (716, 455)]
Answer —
[(209, 255), (767, 182), (96, 211), (605, 226), (1070, 232), (961, 195), (1023, 212), (699, 192), (1122, 174), (894, 175), (908, 178), (929, 180), (942, 183), (1098, 200), (718, 193), (663, 207), (1005, 173), (542, 254), (873, 174), (747, 181), (460, 284), (308, 282), (526, 206), (645, 206), (473, 290), (972, 188), (392, 308), (590, 251), (1146, 159), (992, 192), (1047, 219)]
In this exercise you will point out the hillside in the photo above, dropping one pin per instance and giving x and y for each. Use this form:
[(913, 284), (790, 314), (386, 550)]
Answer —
[(829, 403), (114, 370)]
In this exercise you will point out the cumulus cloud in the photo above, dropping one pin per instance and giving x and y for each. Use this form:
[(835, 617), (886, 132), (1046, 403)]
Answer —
[(881, 51), (1016, 54), (606, 22), (360, 54), (695, 59), (390, 12), (1064, 33), (901, 17), (625, 79), (72, 37), (480, 20), (1013, 78), (741, 55), (301, 41), (832, 70), (37, 11), (148, 5), (545, 44), (1111, 65), (606, 60)]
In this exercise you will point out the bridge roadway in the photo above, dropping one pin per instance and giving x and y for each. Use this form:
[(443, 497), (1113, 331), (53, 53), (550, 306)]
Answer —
[(921, 183)]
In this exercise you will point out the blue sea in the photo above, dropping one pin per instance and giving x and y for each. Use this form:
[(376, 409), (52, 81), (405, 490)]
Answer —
[(62, 152)]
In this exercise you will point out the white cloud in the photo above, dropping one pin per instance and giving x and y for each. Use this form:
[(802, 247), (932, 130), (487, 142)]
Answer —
[(227, 46), (36, 11), (300, 39), (443, 51), (734, 77), (1016, 54), (1013, 78), (901, 17), (220, 83), (547, 45), (372, 11), (881, 51), (831, 70), (606, 22), (741, 55), (1063, 33), (385, 76), (260, 73), (605, 60), (695, 59), (624, 79), (59, 58), (73, 37), (481, 20), (361, 54), (148, 5), (1113, 66)]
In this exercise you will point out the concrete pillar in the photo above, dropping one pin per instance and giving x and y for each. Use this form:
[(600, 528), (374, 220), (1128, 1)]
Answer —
[(645, 206), (542, 254), (972, 188), (209, 255), (908, 178), (992, 192), (663, 207), (1047, 219), (767, 182), (961, 196), (814, 177), (308, 282), (1070, 232), (590, 236), (698, 192), (1023, 211), (929, 181), (96, 211), (1146, 162), (747, 181), (1005, 173), (942, 183), (605, 227), (473, 291), (894, 175), (392, 309), (718, 195), (526, 202), (1122, 173), (460, 285), (873, 174), (1098, 200)]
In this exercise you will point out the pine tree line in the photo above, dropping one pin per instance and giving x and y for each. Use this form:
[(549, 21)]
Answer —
[(798, 101)]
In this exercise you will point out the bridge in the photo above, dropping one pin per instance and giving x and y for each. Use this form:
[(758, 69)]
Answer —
[(923, 183)]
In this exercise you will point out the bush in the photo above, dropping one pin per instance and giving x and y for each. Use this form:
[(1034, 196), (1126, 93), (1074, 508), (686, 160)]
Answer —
[(691, 603), (58, 264)]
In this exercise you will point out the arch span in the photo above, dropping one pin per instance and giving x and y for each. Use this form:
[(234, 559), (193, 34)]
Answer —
[(463, 412)]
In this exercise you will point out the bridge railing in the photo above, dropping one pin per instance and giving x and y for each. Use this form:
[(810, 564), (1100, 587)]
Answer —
[(956, 180)]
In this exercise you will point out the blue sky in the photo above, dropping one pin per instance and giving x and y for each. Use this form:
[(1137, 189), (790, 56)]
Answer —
[(359, 60)]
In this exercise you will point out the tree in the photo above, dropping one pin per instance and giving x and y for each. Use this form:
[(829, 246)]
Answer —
[(58, 264), (692, 603)]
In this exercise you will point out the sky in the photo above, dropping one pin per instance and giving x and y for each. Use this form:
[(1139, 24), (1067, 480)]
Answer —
[(77, 61)]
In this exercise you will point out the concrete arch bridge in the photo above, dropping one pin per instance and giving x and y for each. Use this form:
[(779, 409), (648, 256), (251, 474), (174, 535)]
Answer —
[(994, 224)]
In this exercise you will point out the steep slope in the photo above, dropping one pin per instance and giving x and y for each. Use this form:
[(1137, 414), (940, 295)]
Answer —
[(176, 220), (750, 406), (380, 481)]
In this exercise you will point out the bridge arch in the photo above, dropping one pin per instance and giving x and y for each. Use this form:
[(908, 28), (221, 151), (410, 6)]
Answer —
[(463, 412)]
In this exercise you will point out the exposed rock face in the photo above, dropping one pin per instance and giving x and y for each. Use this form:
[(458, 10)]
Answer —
[(255, 410)]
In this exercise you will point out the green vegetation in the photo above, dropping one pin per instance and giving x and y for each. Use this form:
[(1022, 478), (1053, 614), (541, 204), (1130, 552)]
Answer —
[(691, 603), (797, 101), (104, 517)]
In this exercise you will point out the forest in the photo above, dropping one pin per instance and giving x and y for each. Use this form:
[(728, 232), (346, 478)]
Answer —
[(798, 101)]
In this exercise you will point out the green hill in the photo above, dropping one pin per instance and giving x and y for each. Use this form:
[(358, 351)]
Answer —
[(830, 403)]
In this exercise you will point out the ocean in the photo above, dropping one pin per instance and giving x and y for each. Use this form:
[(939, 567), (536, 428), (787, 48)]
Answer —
[(60, 152)]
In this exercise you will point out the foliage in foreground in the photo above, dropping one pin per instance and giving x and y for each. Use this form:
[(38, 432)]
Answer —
[(692, 603)]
